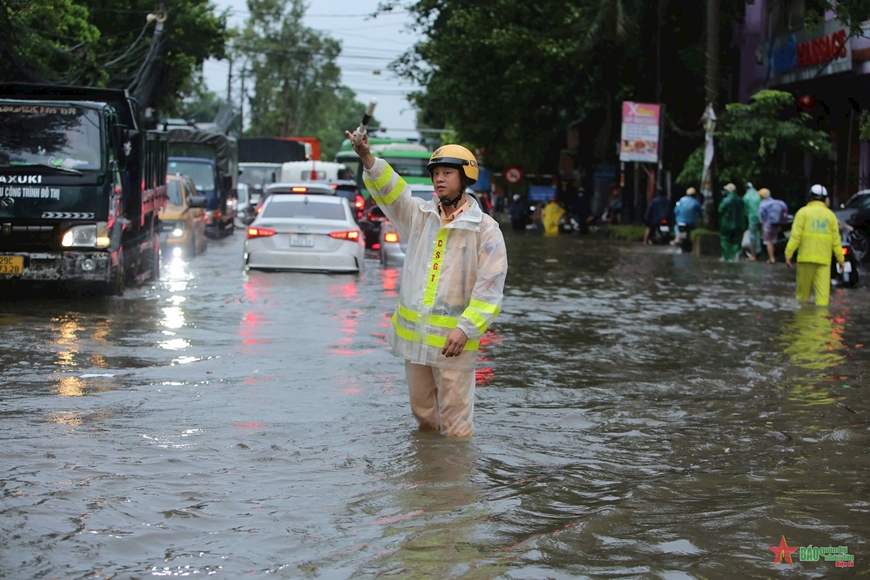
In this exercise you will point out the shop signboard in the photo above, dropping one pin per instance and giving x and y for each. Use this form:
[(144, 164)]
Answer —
[(802, 55), (640, 132), (541, 192)]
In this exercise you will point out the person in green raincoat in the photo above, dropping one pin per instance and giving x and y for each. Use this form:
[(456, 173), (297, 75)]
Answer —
[(731, 224), (751, 203)]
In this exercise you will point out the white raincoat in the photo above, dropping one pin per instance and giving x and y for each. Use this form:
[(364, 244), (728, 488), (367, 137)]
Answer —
[(453, 276)]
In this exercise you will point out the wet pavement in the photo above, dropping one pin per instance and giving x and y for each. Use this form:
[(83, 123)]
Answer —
[(640, 414)]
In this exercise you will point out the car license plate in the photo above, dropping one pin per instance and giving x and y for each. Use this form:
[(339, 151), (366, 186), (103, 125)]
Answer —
[(301, 240), (11, 265)]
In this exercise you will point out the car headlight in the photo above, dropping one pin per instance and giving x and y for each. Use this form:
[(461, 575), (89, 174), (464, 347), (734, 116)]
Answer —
[(177, 230), (90, 236)]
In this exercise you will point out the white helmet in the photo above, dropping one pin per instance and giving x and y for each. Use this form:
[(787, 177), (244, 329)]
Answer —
[(819, 192)]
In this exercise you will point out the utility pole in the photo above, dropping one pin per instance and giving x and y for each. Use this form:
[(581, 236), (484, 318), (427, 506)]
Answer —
[(711, 78), (242, 104), (230, 84)]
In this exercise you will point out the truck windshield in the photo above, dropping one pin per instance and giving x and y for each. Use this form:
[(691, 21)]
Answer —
[(201, 173), (61, 136)]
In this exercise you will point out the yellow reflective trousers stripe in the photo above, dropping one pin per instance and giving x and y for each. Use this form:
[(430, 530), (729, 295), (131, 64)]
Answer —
[(427, 339), (435, 268)]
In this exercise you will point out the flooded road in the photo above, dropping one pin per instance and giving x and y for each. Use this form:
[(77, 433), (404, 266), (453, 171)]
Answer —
[(640, 413)]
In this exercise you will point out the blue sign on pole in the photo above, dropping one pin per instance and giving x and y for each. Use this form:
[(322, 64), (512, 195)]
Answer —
[(541, 192), (482, 180)]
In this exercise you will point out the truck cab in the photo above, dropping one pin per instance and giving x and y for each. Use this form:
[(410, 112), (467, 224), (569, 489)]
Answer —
[(80, 188)]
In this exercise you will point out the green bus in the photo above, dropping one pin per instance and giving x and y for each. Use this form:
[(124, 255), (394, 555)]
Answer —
[(408, 159)]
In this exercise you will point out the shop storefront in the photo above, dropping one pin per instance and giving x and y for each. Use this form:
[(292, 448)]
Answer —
[(828, 72)]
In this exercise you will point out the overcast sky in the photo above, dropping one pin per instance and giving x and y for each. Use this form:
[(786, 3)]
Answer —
[(368, 46)]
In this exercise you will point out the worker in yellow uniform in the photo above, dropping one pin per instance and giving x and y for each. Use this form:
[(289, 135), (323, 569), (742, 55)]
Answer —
[(815, 235), (452, 282)]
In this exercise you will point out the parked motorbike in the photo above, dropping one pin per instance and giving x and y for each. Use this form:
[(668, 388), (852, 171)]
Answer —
[(778, 245), (847, 274)]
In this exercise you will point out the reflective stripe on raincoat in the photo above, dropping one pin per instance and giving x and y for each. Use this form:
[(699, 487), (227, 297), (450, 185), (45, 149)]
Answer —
[(815, 233), (453, 276)]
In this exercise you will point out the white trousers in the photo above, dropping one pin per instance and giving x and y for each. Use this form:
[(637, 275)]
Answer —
[(442, 399)]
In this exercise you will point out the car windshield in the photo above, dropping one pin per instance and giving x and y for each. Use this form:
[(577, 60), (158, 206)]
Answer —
[(859, 201), (201, 173), (303, 208), (173, 193), (62, 136)]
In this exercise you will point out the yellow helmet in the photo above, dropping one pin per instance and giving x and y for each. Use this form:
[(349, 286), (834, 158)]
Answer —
[(764, 193), (456, 156), (691, 191)]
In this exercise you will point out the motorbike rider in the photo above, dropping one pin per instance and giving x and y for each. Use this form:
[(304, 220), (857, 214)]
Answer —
[(452, 282), (815, 235), (659, 210), (687, 211), (772, 213)]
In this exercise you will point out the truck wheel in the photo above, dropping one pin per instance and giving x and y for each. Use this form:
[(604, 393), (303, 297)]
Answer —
[(117, 277)]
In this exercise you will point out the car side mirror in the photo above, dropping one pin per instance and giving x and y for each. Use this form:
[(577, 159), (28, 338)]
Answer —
[(197, 201)]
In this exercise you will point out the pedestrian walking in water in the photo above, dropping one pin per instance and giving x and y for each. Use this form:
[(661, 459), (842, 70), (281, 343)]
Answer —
[(551, 215), (815, 236), (451, 286), (751, 201), (731, 223), (773, 214), (519, 213)]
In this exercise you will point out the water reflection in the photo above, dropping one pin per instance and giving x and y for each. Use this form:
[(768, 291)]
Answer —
[(436, 512), (813, 340)]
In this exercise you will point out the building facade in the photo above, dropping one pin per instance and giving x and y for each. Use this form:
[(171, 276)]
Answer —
[(826, 69)]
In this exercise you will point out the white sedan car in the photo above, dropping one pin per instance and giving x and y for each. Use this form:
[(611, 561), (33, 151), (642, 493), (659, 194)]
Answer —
[(305, 232)]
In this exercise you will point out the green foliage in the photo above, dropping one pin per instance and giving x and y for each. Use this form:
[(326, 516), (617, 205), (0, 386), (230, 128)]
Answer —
[(45, 39), (625, 232), (105, 42), (851, 13), (751, 140), (200, 105)]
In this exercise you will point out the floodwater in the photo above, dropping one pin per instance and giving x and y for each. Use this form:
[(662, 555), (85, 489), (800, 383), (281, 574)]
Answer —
[(640, 414)]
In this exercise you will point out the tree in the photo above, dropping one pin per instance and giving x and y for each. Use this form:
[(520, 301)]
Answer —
[(46, 39), (201, 105), (103, 43), (762, 142)]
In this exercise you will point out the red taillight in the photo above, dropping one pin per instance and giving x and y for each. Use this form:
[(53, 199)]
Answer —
[(391, 237), (845, 251), (260, 233), (664, 222), (298, 189), (360, 202), (352, 235), (260, 209)]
